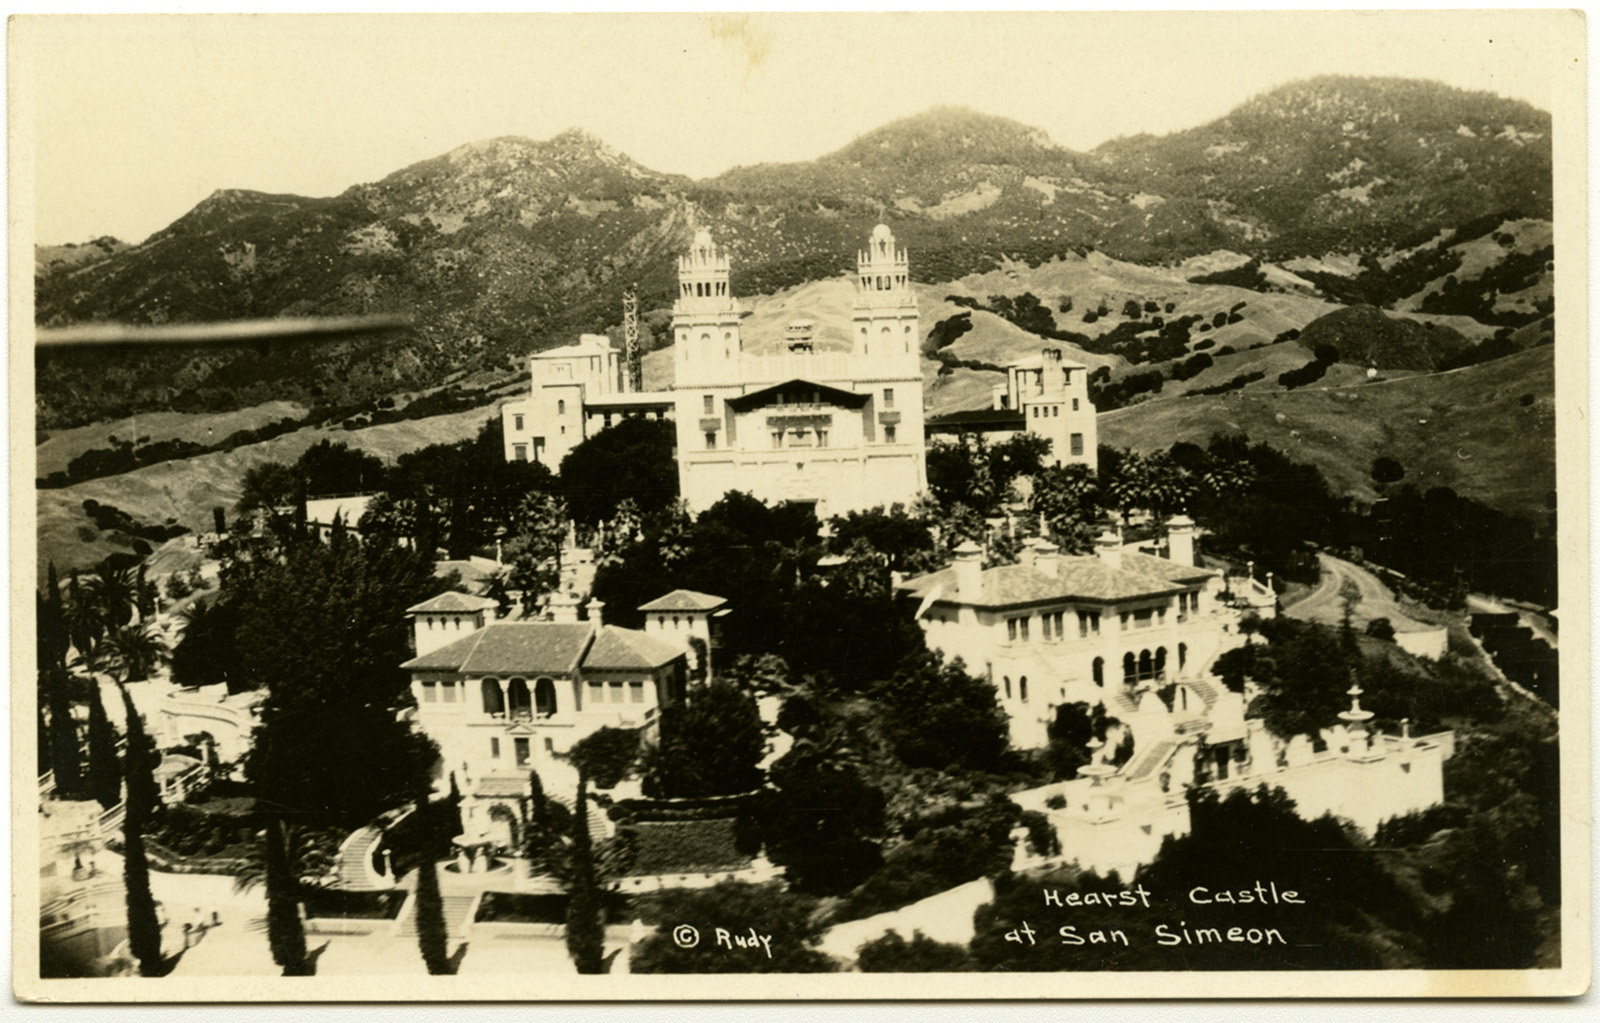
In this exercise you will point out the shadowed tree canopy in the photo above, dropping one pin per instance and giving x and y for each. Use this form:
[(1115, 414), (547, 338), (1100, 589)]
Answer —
[(712, 746), (936, 715), (634, 459), (322, 630)]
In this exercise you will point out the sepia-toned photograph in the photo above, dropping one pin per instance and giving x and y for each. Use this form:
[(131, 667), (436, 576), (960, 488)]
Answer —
[(966, 506)]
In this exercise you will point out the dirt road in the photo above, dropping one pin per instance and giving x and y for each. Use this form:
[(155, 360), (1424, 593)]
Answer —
[(1325, 605)]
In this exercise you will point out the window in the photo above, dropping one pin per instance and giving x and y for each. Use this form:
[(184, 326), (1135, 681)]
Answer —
[(520, 452), (494, 747), (1088, 624), (888, 397), (1074, 404), (777, 438), (822, 438), (1017, 629), (1077, 444), (449, 692), (710, 404), (1055, 410), (616, 692), (1100, 671), (636, 692), (711, 440), (523, 753), (1044, 627), (1060, 617), (430, 692), (889, 434), (561, 406), (518, 421), (1142, 619), (1008, 686), (596, 693), (1183, 607), (1022, 688), (607, 419)]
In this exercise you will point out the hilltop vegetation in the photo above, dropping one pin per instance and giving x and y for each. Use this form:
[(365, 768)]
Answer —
[(510, 245)]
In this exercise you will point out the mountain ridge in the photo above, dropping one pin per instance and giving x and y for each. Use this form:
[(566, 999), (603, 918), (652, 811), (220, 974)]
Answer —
[(506, 245)]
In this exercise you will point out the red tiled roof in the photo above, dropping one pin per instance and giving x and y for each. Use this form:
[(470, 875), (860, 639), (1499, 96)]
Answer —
[(628, 648), (452, 602), (505, 647), (1084, 578), (550, 648), (685, 600), (1164, 569)]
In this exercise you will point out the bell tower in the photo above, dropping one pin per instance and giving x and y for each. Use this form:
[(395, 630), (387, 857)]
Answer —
[(705, 317), (885, 316)]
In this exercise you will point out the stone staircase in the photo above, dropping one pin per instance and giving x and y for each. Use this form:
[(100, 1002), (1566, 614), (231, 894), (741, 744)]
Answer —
[(1145, 765), (458, 911), (356, 872)]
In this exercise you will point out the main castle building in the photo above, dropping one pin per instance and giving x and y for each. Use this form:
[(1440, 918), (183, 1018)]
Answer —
[(839, 429)]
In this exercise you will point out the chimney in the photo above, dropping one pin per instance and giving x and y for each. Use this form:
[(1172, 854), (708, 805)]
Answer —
[(1180, 540), (969, 570), (563, 608), (1025, 554), (595, 607), (1108, 546), (1044, 557)]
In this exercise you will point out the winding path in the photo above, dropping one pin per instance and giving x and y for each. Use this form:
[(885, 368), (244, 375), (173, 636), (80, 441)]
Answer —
[(1324, 604)]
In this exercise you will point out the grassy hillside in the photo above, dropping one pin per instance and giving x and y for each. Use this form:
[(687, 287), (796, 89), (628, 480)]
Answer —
[(62, 446), (187, 490), (1486, 431)]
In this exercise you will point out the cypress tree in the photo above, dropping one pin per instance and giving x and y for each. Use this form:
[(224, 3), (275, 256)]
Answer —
[(433, 936), (286, 935), (144, 928), (66, 755), (585, 934), (105, 779)]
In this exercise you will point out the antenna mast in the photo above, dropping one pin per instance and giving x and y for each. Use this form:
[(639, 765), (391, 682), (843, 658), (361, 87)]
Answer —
[(630, 339)]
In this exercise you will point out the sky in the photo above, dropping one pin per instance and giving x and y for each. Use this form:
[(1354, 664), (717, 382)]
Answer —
[(132, 121)]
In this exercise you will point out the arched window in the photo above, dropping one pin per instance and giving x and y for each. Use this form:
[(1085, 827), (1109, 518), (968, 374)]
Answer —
[(561, 406), (1144, 665), (517, 695), (494, 701), (544, 697), (1022, 688), (1183, 654), (1008, 686), (1130, 671), (1100, 671), (1161, 664)]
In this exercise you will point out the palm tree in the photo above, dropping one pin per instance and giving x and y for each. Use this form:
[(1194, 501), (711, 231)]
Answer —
[(85, 623), (134, 651), (115, 593)]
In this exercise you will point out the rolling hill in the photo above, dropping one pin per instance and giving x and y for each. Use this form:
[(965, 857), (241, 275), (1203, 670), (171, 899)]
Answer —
[(509, 245), (1487, 431)]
